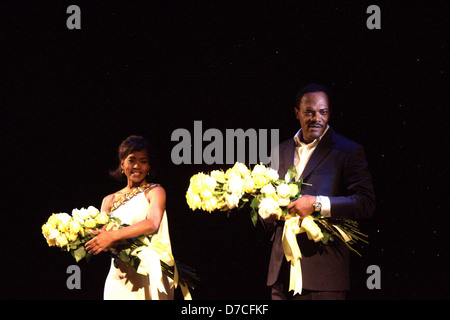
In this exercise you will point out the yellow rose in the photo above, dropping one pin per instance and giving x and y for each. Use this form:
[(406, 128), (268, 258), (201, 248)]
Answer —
[(198, 182), (241, 169), (268, 189), (52, 220), (210, 183), (235, 185), (193, 200), (293, 189), (283, 202), (259, 169), (102, 219), (218, 175), (267, 207), (272, 174), (71, 236), (259, 180), (89, 223), (53, 234), (111, 226), (45, 230), (283, 190), (50, 233), (232, 174), (63, 219), (61, 240), (80, 214), (206, 194), (93, 211), (232, 201), (209, 205), (75, 228), (249, 184)]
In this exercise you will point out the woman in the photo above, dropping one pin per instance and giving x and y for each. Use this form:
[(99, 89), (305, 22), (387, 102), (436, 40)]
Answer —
[(142, 206)]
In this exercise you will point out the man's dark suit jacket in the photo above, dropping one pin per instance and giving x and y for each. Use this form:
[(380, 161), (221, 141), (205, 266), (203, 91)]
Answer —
[(337, 169)]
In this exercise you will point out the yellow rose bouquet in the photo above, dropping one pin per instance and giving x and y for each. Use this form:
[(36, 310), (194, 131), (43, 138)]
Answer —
[(72, 232), (269, 196)]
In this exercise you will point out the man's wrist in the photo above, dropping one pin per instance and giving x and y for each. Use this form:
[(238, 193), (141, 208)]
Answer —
[(317, 205), (325, 208)]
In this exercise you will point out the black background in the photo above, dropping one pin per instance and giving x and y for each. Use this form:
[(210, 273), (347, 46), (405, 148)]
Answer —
[(69, 97)]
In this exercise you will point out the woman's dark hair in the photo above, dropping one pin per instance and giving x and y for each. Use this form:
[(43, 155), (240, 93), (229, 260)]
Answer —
[(129, 145)]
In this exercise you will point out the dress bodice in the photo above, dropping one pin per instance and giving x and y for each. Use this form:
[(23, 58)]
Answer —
[(134, 210)]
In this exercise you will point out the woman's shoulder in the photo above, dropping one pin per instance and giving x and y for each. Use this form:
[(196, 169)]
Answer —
[(155, 190), (109, 200)]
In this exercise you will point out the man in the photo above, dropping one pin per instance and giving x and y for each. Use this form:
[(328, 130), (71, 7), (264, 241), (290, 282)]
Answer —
[(340, 186)]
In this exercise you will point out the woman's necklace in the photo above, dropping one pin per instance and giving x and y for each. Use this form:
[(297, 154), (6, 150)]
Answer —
[(129, 195)]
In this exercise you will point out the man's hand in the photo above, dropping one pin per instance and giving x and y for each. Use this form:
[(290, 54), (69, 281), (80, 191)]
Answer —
[(303, 206)]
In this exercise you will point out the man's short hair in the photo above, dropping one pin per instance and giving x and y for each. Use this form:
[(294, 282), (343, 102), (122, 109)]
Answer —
[(311, 87)]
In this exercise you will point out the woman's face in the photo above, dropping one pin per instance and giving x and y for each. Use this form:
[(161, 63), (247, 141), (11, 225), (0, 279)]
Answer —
[(136, 167)]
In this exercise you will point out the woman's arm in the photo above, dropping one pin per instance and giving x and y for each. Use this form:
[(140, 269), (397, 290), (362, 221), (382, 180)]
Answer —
[(106, 203), (157, 200)]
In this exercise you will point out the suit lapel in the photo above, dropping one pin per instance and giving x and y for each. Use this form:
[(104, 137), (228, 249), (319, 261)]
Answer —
[(286, 157), (322, 150)]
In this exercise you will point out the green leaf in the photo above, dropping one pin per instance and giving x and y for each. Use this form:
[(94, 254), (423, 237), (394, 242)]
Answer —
[(254, 217), (135, 262), (79, 253), (254, 212), (290, 175), (254, 204), (326, 237), (124, 255), (242, 203), (139, 241)]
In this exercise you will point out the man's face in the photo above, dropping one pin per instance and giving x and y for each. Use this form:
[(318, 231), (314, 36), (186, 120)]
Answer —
[(313, 114)]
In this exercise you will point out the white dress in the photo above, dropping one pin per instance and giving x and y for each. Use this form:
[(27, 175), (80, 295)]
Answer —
[(124, 283)]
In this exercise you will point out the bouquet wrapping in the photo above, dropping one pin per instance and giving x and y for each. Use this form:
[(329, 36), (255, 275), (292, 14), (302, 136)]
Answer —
[(268, 196), (147, 254)]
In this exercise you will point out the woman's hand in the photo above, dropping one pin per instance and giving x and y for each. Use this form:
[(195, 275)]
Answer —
[(101, 242)]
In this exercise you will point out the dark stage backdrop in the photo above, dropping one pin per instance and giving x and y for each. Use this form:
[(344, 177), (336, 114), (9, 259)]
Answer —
[(69, 97)]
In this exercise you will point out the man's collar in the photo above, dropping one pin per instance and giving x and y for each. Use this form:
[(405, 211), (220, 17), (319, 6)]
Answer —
[(299, 143)]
